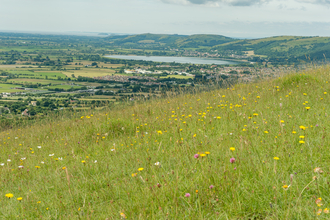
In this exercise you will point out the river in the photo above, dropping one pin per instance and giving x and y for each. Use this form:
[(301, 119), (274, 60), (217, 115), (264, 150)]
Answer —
[(193, 60)]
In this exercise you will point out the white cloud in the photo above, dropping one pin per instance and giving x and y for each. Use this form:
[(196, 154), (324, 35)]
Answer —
[(217, 2)]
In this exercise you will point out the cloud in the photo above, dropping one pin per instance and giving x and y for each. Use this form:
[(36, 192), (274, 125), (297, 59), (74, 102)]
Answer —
[(319, 2), (218, 2)]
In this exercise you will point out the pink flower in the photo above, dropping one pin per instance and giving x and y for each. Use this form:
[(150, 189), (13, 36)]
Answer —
[(232, 160), (211, 187), (196, 156), (187, 195)]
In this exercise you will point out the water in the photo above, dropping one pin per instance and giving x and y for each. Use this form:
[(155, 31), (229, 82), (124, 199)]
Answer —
[(192, 60)]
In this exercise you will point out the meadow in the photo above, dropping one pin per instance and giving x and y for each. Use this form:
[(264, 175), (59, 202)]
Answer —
[(251, 151)]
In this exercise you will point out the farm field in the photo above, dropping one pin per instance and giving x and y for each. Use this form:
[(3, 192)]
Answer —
[(250, 151), (89, 72)]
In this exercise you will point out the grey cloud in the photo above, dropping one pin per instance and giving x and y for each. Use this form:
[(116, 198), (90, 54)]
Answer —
[(319, 2), (217, 2)]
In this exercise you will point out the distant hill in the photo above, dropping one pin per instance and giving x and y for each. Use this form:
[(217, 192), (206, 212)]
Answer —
[(177, 41), (283, 46), (279, 47)]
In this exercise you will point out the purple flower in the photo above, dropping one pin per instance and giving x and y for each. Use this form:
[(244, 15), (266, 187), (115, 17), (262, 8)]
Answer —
[(235, 168), (316, 125), (187, 195), (211, 187), (232, 160), (196, 156)]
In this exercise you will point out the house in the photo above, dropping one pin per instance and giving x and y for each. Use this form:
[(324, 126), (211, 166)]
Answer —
[(25, 113), (33, 103)]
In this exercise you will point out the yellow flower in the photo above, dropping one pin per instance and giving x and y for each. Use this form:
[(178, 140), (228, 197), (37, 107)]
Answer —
[(37, 167), (232, 148), (207, 152), (19, 198), (302, 137), (302, 127), (83, 161), (9, 195), (282, 121), (266, 132), (319, 202), (294, 132), (301, 142), (285, 187), (63, 168), (159, 132), (140, 169), (307, 108), (134, 174), (326, 210), (196, 191), (123, 215), (255, 114), (39, 202), (319, 212), (203, 155), (276, 158)]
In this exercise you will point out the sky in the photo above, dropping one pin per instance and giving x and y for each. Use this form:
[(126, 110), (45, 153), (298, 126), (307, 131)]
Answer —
[(232, 18)]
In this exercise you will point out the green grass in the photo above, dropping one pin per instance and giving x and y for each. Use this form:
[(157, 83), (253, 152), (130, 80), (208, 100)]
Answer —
[(7, 88), (257, 121), (43, 75)]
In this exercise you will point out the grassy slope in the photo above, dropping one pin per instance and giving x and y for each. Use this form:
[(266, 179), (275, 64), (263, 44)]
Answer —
[(171, 132)]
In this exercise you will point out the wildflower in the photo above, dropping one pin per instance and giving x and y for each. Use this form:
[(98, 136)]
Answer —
[(276, 158), (294, 132), (319, 202), (23, 158), (301, 142), (187, 195), (266, 132), (211, 187), (63, 168), (207, 153), (302, 137), (159, 132), (302, 127), (232, 160), (39, 147), (285, 187), (95, 161), (8, 160), (42, 162), (326, 210), (255, 114), (196, 156), (203, 155), (318, 170), (134, 174), (83, 161), (157, 163), (319, 212), (60, 158), (194, 135), (2, 164), (196, 190), (37, 167), (123, 215), (20, 167), (19, 198), (51, 155), (9, 195), (39, 202), (140, 169), (232, 148)]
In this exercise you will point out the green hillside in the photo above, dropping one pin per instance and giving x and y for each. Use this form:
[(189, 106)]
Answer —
[(178, 41), (252, 151), (283, 47)]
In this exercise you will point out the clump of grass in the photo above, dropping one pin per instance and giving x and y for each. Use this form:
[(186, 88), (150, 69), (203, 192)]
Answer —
[(245, 152)]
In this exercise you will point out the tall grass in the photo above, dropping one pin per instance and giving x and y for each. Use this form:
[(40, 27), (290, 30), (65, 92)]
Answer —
[(246, 152)]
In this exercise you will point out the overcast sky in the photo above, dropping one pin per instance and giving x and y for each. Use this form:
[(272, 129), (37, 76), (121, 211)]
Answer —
[(233, 18)]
